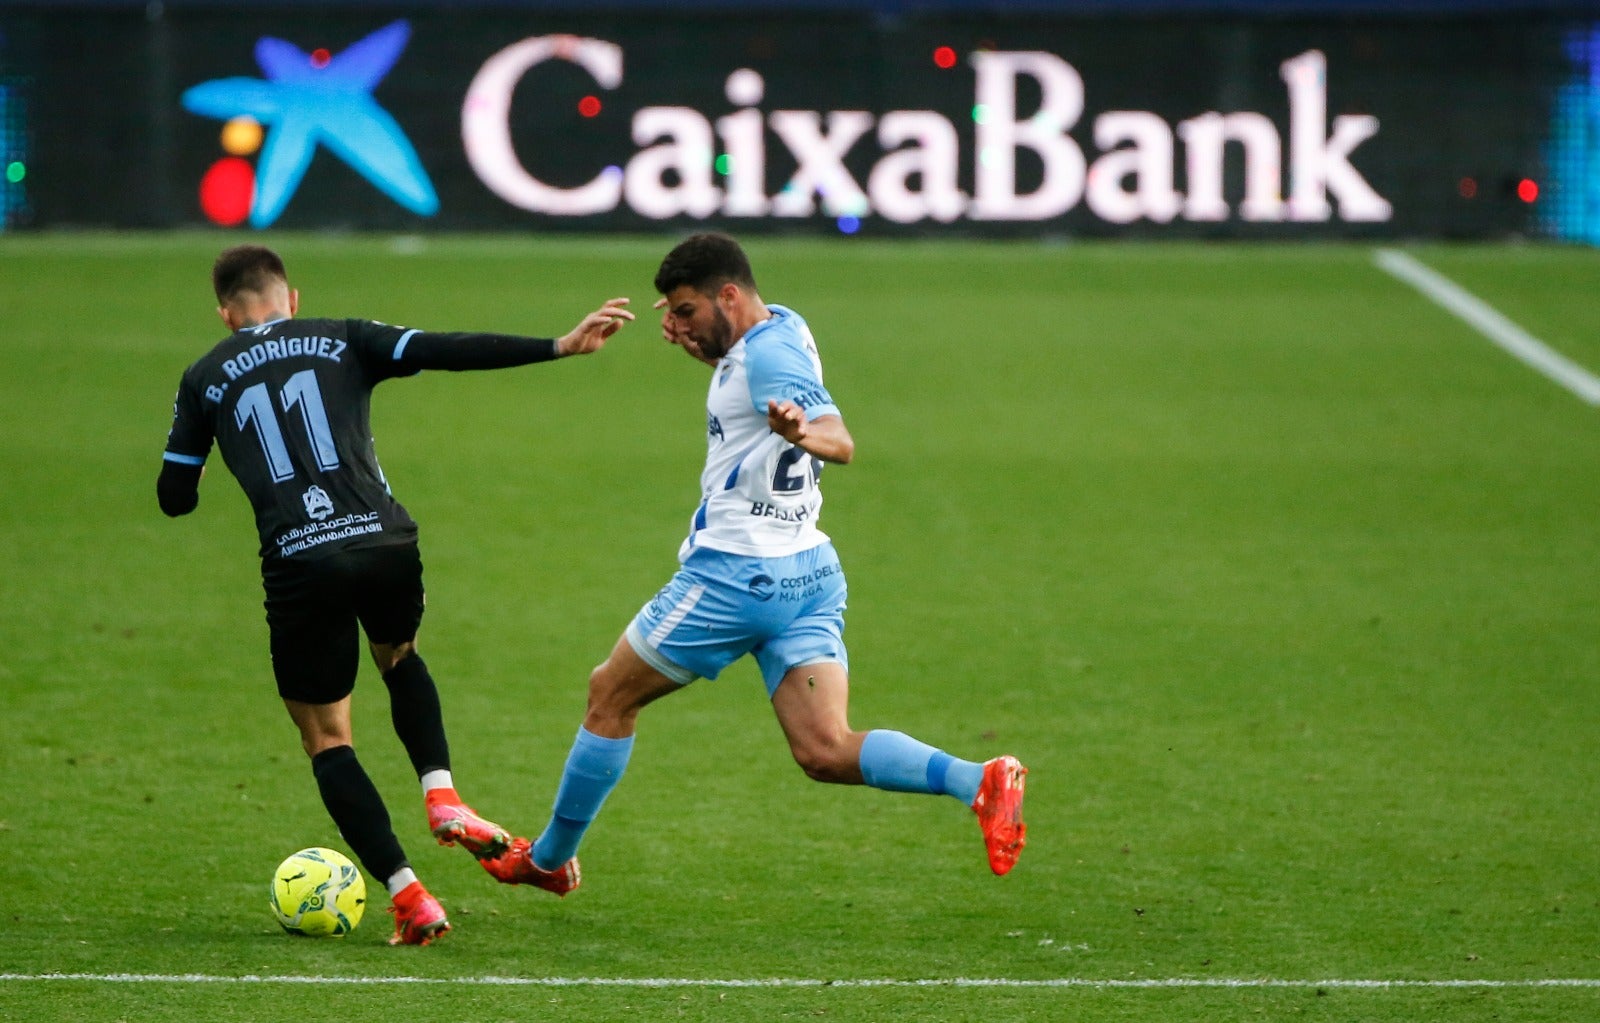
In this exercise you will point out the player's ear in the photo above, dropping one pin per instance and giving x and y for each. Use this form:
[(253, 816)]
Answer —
[(227, 319), (294, 301), (729, 294)]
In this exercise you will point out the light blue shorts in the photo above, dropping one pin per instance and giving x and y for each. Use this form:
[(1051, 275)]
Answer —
[(718, 607)]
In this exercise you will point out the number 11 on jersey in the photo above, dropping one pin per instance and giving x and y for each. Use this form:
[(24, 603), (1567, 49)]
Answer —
[(299, 391)]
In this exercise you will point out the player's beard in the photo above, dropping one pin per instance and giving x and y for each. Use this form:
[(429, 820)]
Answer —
[(718, 339)]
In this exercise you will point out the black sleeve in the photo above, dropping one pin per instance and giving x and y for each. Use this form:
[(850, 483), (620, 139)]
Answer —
[(190, 437), (391, 351), (429, 350), (178, 488)]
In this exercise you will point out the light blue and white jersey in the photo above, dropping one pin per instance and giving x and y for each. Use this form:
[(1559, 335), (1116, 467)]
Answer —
[(759, 493)]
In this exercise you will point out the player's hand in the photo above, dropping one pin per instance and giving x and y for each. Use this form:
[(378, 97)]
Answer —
[(591, 332), (674, 333), (787, 420)]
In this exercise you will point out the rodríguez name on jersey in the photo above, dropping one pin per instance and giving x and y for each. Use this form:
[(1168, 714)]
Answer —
[(263, 352)]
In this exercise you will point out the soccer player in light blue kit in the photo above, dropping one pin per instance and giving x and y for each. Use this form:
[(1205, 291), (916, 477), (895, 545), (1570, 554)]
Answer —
[(757, 577)]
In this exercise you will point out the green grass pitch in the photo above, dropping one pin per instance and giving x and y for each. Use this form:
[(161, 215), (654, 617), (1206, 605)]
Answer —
[(1280, 579)]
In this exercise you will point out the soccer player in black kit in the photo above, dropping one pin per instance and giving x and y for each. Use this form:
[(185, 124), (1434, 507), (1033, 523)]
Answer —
[(286, 400)]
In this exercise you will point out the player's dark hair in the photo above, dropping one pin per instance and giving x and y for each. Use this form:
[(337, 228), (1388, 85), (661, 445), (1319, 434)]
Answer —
[(705, 262), (246, 268)]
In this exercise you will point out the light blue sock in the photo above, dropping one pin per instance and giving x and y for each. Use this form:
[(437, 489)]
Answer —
[(593, 769), (896, 762)]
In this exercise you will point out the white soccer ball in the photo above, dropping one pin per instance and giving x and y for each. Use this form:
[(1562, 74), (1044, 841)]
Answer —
[(318, 893)]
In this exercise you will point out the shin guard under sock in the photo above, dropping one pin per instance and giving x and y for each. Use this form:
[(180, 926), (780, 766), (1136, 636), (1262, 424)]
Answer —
[(358, 811), (418, 720)]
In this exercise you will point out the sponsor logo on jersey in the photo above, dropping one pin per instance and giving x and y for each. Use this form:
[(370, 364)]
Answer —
[(762, 509), (762, 587), (318, 504), (344, 527), (804, 587), (810, 399), (659, 604)]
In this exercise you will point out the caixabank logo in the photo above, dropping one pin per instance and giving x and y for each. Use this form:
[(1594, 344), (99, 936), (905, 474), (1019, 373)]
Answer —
[(1021, 145), (307, 101)]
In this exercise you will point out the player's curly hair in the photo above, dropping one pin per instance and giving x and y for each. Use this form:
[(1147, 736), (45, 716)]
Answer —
[(246, 268), (705, 262)]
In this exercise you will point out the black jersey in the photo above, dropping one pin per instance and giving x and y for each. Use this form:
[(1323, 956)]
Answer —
[(288, 404)]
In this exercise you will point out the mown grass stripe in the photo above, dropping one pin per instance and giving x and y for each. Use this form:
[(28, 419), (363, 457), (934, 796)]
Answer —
[(812, 982)]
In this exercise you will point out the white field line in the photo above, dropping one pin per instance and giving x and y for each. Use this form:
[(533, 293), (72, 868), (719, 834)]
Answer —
[(804, 982), (1488, 321)]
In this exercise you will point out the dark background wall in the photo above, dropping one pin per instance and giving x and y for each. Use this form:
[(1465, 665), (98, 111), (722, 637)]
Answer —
[(1479, 112)]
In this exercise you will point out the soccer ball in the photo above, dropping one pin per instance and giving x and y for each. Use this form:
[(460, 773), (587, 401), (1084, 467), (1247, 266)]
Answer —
[(318, 893)]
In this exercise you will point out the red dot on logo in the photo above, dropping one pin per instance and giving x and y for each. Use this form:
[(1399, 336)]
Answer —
[(227, 191), (945, 57), (320, 58), (589, 106), (1527, 190)]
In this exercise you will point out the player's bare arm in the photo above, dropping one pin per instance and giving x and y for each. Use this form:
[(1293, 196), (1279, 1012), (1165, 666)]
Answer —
[(825, 437), (592, 331)]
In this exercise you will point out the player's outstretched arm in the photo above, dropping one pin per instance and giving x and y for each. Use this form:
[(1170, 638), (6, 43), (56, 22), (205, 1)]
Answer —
[(825, 437), (592, 331)]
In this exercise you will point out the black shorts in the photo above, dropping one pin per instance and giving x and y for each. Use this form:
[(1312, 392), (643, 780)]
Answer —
[(313, 608)]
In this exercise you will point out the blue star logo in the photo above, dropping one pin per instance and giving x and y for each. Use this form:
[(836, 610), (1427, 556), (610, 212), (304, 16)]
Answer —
[(307, 100)]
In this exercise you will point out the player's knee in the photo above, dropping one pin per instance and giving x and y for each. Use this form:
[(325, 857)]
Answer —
[(316, 742), (387, 657), (603, 688), (823, 760), (608, 704)]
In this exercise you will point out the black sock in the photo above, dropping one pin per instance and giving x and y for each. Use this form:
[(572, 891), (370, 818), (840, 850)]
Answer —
[(355, 806), (418, 721)]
